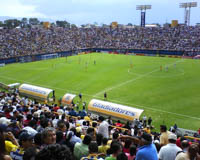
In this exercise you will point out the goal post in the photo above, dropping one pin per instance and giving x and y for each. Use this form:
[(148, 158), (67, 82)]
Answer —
[(49, 56)]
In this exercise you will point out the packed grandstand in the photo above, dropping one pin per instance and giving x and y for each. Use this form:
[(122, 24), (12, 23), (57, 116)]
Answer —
[(38, 40), (34, 130)]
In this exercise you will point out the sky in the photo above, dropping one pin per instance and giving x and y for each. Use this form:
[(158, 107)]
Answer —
[(101, 11)]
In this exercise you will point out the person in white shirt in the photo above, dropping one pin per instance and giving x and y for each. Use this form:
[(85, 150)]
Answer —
[(169, 151), (103, 127)]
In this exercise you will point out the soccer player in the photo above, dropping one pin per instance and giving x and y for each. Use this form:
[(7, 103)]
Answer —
[(105, 96), (54, 97), (166, 68), (161, 68), (94, 62), (131, 64), (79, 60)]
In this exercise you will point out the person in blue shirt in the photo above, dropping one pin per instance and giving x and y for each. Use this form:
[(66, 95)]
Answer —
[(72, 112), (147, 150)]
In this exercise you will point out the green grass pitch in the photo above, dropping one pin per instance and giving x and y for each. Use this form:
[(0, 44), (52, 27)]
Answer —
[(169, 97)]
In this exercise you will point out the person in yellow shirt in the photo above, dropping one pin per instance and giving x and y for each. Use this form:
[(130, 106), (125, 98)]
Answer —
[(11, 142), (3, 154), (9, 146), (147, 129), (25, 141), (164, 135), (87, 118), (115, 136), (104, 147)]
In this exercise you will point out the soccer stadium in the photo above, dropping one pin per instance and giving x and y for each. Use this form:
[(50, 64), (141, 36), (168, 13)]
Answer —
[(113, 92)]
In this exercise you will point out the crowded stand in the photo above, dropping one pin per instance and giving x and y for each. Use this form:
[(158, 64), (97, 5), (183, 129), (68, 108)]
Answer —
[(38, 40), (31, 130)]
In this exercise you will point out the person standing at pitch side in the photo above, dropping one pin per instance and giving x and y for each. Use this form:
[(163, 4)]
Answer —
[(105, 96), (80, 97)]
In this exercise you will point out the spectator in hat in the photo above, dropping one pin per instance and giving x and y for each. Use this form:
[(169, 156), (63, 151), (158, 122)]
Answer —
[(31, 128), (169, 151), (25, 141)]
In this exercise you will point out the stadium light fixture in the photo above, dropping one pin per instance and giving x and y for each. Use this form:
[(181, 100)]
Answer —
[(143, 9), (183, 5), (187, 7)]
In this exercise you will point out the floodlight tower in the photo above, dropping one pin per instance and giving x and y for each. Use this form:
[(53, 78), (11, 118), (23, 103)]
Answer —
[(143, 9), (187, 7)]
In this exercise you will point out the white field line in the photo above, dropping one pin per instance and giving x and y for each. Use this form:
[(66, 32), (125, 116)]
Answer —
[(131, 80), (10, 78), (130, 104), (182, 72)]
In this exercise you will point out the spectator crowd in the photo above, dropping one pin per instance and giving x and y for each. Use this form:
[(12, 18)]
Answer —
[(31, 41), (30, 130)]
